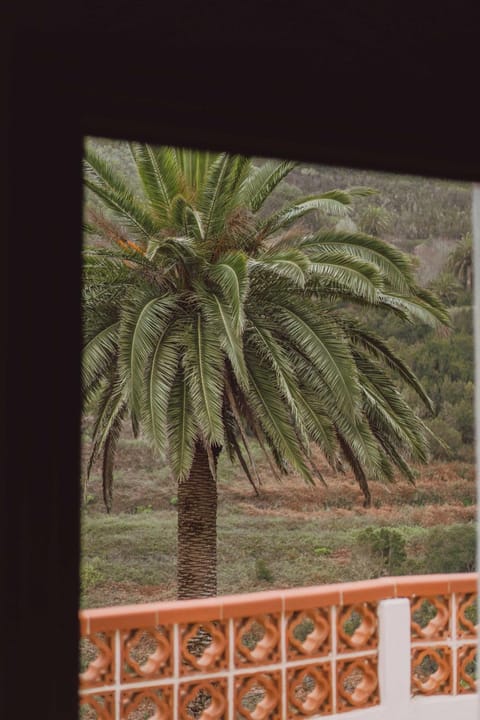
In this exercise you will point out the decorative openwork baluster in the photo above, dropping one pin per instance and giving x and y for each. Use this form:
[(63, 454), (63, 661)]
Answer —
[(274, 656)]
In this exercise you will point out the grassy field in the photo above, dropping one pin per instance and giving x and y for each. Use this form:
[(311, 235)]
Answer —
[(291, 535)]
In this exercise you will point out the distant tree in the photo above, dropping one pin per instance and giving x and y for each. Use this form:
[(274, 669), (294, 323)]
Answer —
[(374, 220), (446, 287), (208, 323), (460, 261)]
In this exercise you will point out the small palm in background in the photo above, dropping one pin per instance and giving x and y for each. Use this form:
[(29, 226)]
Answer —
[(460, 261), (208, 322)]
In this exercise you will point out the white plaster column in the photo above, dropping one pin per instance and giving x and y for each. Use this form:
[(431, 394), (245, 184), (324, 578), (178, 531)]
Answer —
[(394, 657)]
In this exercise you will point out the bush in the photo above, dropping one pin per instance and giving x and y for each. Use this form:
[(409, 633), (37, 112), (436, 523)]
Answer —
[(386, 544), (446, 434), (464, 416), (450, 549), (262, 571), (90, 574)]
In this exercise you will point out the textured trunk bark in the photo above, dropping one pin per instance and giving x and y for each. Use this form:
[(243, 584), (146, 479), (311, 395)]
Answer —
[(197, 531)]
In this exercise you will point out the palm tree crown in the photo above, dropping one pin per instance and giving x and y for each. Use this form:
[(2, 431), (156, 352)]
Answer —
[(209, 322)]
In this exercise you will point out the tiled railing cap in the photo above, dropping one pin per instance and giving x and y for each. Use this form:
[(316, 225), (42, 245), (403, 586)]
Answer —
[(249, 604)]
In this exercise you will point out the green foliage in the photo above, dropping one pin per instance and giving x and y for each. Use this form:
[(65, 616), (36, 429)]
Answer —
[(447, 443), (471, 612), (143, 509), (262, 571), (374, 220), (388, 545), (89, 499), (424, 614), (450, 549), (460, 261), (447, 287), (322, 551), (444, 364), (90, 574), (352, 623)]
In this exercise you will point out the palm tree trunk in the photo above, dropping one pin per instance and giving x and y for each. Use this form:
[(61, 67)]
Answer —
[(197, 530)]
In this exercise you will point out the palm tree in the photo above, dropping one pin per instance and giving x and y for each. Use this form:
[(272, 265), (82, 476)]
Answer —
[(460, 261), (446, 287), (374, 220), (210, 323)]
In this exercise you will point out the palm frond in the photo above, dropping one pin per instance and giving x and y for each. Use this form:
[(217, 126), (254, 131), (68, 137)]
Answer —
[(318, 425), (394, 419), (330, 272), (352, 426), (393, 454), (179, 215), (240, 170), (361, 191), (135, 425), (437, 308), (395, 266), (97, 357), (217, 195), (109, 451), (110, 410), (143, 324), (89, 228), (357, 468), (270, 353), (159, 173), (320, 339), (334, 203), (181, 427), (380, 350), (388, 408), (413, 309), (309, 420), (194, 166), (259, 185), (274, 416), (231, 427), (203, 364), (161, 368), (230, 273), (168, 250), (104, 182), (289, 263), (227, 333)]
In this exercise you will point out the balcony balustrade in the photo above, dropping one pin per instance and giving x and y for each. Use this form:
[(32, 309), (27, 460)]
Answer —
[(399, 648)]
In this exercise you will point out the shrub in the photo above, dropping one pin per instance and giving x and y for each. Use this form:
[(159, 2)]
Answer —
[(90, 574), (446, 434), (450, 549), (262, 571), (388, 545)]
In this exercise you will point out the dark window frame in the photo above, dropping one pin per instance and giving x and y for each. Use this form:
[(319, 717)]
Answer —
[(57, 96)]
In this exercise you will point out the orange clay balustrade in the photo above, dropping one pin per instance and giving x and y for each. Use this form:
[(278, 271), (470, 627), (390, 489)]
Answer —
[(273, 655)]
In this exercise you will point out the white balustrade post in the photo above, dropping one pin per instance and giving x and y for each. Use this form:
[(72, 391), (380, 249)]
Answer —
[(394, 657)]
